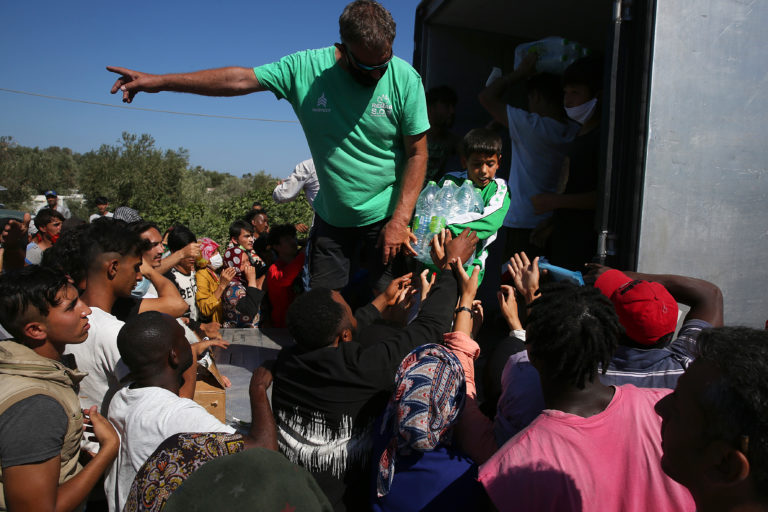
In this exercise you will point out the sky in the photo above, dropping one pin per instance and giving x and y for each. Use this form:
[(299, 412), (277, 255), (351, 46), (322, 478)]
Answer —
[(62, 48)]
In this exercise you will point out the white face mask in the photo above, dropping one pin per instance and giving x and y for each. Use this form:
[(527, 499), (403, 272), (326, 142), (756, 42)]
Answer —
[(582, 113), (216, 261)]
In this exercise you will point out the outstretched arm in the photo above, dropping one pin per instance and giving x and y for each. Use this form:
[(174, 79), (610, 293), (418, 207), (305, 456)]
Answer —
[(168, 299), (704, 298), (229, 81), (263, 432)]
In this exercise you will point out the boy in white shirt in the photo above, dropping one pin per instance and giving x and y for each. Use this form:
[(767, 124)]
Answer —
[(113, 260)]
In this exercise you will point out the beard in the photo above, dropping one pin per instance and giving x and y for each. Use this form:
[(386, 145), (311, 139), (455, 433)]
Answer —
[(364, 79)]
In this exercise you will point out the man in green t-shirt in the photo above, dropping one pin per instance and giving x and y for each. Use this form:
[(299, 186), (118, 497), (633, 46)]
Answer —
[(364, 115)]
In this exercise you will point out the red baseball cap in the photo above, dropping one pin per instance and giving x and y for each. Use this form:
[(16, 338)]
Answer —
[(646, 309)]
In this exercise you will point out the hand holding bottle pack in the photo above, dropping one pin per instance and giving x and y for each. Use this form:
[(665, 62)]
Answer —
[(555, 54), (436, 206)]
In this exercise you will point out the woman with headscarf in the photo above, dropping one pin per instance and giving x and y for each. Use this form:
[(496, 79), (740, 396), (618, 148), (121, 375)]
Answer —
[(211, 285), (418, 467), (242, 298)]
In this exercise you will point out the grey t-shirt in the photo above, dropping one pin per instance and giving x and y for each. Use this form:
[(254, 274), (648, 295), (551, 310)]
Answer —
[(34, 254), (31, 431)]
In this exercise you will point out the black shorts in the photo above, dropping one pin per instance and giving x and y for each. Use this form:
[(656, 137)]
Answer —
[(342, 257)]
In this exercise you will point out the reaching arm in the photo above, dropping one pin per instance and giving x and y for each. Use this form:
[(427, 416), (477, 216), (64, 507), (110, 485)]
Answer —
[(14, 240), (395, 233), (263, 432), (468, 285), (175, 258), (704, 298), (229, 81), (168, 299), (473, 431), (492, 97)]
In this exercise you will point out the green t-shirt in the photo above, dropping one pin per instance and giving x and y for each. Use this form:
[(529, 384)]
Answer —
[(355, 133)]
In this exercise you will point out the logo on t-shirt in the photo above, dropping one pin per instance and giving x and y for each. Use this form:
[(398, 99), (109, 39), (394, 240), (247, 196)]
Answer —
[(322, 104), (382, 107)]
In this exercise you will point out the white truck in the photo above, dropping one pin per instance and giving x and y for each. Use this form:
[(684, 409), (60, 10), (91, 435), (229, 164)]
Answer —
[(685, 152)]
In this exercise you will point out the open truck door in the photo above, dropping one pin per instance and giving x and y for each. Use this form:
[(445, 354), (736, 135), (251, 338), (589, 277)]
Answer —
[(684, 163)]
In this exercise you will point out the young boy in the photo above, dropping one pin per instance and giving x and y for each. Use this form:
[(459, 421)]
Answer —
[(41, 423), (481, 152), (48, 223), (284, 271)]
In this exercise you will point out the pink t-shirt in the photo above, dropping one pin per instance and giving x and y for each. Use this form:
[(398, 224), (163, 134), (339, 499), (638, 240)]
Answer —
[(609, 461)]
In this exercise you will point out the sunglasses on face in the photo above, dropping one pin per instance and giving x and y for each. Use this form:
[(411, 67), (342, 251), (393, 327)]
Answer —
[(365, 67)]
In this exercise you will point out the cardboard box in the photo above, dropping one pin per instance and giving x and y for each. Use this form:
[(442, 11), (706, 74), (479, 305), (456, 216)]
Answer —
[(210, 391)]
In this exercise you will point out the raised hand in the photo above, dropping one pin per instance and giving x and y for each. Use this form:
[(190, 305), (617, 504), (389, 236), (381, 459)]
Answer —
[(426, 285), (394, 291), (525, 275), (462, 246), (508, 305), (191, 250), (227, 275), (467, 283)]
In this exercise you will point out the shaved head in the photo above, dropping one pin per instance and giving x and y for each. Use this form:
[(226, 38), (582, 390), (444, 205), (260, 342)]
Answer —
[(146, 340)]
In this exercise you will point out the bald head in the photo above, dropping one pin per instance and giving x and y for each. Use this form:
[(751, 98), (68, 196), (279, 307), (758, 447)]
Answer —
[(146, 341)]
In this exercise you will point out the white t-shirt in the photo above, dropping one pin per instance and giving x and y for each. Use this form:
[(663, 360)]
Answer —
[(539, 146), (187, 285), (151, 292), (98, 216), (99, 357), (144, 418)]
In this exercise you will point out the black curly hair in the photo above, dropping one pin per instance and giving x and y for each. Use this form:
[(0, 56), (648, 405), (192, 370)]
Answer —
[(314, 318), (572, 331)]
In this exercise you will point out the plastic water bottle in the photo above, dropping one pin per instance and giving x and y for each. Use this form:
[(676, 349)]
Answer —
[(479, 204), (555, 53), (465, 198), (446, 199), (437, 219), (424, 206)]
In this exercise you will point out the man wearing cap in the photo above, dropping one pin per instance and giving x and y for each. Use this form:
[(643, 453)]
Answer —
[(52, 199), (647, 308)]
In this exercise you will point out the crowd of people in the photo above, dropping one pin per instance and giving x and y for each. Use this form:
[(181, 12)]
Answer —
[(602, 395)]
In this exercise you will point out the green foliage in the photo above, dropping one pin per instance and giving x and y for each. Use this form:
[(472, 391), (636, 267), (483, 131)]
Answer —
[(159, 184), (28, 171), (134, 173)]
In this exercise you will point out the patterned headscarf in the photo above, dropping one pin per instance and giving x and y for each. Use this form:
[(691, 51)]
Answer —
[(255, 479), (429, 395), (207, 249), (233, 257), (172, 463)]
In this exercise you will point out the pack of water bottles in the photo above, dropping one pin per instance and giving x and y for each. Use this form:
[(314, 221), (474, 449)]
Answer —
[(435, 209), (555, 54)]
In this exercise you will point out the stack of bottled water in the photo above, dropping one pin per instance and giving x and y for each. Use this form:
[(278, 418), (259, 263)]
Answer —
[(435, 209), (555, 54)]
